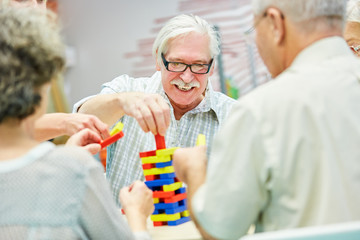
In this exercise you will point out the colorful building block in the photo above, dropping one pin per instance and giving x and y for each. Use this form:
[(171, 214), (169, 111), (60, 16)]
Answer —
[(160, 141), (156, 171), (159, 182), (165, 217), (111, 139)]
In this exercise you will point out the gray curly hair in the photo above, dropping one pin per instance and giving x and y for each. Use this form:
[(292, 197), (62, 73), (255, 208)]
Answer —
[(31, 54)]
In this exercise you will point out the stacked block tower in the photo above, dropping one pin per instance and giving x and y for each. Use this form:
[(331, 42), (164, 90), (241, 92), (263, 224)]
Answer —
[(169, 194)]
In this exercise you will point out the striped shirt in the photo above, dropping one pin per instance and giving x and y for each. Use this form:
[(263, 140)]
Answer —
[(123, 161)]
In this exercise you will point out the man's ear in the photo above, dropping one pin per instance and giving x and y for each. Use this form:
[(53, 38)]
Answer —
[(158, 68), (277, 25)]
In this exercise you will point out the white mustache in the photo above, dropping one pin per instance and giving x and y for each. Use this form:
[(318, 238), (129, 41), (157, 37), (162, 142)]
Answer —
[(183, 85)]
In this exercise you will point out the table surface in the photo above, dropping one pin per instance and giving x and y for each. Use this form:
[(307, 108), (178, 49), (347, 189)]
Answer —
[(185, 231)]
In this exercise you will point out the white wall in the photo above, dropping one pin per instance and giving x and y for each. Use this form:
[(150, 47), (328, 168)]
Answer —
[(101, 32)]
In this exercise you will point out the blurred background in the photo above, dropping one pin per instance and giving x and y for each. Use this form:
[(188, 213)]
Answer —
[(108, 38)]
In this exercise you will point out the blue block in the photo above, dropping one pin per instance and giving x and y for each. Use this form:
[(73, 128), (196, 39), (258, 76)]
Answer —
[(167, 175), (160, 206), (163, 164), (179, 221), (180, 190), (175, 210), (159, 182)]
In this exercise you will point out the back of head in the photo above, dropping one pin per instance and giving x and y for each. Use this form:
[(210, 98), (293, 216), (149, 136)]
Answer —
[(353, 11), (182, 25), (31, 54), (328, 13)]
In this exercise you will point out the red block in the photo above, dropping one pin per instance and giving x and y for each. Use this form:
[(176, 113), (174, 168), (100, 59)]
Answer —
[(151, 177), (158, 224), (112, 139), (162, 194), (148, 165), (147, 154), (160, 141), (175, 198)]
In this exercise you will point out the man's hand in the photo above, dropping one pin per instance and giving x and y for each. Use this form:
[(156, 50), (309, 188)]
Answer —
[(190, 163), (137, 203), (150, 110), (86, 138), (75, 122)]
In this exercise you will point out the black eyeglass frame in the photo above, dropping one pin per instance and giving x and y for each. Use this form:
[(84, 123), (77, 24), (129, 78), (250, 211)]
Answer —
[(166, 64)]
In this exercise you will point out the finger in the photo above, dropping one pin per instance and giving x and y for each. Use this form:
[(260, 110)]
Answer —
[(93, 148), (145, 119), (102, 129), (91, 136), (166, 118), (156, 121), (140, 120)]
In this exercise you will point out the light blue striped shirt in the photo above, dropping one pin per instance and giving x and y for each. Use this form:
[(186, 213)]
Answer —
[(123, 161)]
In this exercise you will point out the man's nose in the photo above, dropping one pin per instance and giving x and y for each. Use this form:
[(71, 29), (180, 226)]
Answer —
[(187, 76)]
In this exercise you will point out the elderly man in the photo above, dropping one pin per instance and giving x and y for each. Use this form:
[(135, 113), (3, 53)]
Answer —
[(288, 154), (177, 102)]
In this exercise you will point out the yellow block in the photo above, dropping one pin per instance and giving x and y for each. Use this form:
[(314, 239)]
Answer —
[(185, 213), (172, 187), (166, 151), (117, 128), (201, 140), (156, 200), (165, 217), (157, 171), (155, 159)]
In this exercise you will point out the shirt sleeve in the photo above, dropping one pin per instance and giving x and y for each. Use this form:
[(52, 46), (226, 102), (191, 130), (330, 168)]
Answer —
[(100, 217), (122, 83), (234, 194)]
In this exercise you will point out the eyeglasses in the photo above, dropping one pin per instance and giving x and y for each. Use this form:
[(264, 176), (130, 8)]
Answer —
[(264, 15), (252, 29), (181, 67), (356, 49)]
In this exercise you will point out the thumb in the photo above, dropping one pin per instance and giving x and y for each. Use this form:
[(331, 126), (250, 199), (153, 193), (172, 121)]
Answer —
[(93, 148)]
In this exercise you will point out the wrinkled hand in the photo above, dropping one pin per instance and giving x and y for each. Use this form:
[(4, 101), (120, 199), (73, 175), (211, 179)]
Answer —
[(137, 199), (76, 122), (189, 162), (86, 138), (150, 110)]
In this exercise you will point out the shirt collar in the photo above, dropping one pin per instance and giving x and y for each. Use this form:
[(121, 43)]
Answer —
[(323, 49)]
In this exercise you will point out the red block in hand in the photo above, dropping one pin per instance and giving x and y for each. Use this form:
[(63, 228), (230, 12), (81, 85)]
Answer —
[(112, 139), (160, 141)]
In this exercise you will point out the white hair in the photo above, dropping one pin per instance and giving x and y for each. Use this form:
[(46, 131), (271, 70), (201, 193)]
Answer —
[(181, 25), (303, 10), (353, 11)]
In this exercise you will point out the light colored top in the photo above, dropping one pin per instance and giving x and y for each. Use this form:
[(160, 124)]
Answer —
[(58, 193), (123, 161), (289, 154)]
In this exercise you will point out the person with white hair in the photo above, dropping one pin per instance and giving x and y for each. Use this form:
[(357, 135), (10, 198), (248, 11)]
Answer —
[(177, 102), (352, 26), (287, 156)]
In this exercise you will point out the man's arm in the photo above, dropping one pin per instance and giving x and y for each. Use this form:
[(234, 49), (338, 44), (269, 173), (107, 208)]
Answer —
[(150, 110), (193, 173)]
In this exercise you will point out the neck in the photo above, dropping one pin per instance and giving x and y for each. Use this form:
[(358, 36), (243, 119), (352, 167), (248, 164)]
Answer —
[(14, 141)]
